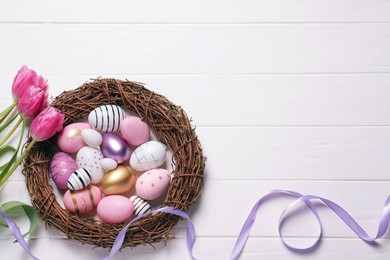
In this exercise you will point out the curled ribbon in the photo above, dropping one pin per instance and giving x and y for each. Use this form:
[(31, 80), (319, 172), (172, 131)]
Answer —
[(246, 228), (17, 234), (338, 210), (190, 230)]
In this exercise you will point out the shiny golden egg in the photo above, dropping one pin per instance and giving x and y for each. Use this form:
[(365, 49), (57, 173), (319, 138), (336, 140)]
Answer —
[(117, 181)]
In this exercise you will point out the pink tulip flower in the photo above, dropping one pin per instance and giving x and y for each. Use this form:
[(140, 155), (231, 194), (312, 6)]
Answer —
[(32, 101), (25, 79), (46, 124)]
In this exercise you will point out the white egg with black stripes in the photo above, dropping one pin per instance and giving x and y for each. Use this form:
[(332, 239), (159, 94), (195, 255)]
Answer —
[(106, 118), (79, 179), (141, 206)]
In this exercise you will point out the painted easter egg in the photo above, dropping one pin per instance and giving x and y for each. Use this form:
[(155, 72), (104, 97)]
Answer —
[(82, 201), (61, 168), (108, 164), (90, 158), (152, 184), (69, 140), (91, 137), (115, 209), (148, 156), (80, 179), (118, 181), (140, 206), (115, 147), (106, 118), (134, 130)]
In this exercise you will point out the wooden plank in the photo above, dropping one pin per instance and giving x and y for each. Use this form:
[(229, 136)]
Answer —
[(195, 49), (285, 94), (296, 153), (205, 248), (258, 100), (233, 200), (179, 11), (293, 153)]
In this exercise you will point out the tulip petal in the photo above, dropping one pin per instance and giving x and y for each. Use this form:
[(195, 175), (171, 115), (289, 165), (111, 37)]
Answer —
[(48, 122)]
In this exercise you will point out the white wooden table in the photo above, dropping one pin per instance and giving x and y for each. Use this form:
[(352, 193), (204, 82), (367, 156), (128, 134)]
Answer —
[(285, 95)]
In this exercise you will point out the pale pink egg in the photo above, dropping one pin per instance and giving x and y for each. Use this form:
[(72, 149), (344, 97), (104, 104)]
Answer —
[(153, 183), (69, 140), (61, 168), (134, 130), (82, 201), (115, 209)]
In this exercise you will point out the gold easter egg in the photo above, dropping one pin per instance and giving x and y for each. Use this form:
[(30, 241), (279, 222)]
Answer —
[(117, 181)]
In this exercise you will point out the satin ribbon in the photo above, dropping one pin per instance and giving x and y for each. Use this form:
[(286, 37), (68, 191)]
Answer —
[(17, 234), (190, 230), (246, 228), (338, 210)]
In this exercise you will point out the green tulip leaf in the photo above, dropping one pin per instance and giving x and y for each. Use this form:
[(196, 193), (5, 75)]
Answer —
[(4, 114), (7, 166), (4, 150), (6, 124), (17, 209)]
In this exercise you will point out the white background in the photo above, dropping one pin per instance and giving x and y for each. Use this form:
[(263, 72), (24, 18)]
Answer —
[(285, 95)]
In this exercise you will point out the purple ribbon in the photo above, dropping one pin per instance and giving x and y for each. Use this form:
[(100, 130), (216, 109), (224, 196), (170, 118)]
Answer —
[(339, 211), (190, 230), (16, 232), (246, 228)]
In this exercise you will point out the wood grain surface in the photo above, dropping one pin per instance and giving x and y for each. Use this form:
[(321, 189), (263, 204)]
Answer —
[(284, 95)]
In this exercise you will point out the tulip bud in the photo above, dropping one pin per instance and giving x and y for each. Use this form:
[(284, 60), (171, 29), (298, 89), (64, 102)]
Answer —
[(48, 122), (25, 79), (32, 101)]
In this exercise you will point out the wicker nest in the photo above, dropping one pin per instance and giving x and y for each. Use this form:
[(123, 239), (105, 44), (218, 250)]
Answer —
[(169, 124)]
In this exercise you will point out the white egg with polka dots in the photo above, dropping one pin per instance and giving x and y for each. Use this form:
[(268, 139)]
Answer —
[(90, 158), (152, 184)]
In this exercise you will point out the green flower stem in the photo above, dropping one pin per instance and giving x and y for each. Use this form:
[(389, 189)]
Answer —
[(7, 111), (16, 164), (8, 122), (11, 132)]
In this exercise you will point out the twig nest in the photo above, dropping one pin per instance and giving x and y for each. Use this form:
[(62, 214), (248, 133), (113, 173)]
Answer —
[(171, 127)]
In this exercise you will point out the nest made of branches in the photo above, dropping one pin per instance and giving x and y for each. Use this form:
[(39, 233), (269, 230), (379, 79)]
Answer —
[(170, 125)]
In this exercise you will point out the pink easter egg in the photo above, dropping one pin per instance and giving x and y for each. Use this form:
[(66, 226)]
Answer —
[(69, 140), (115, 209), (153, 183), (134, 130), (82, 201), (61, 168)]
